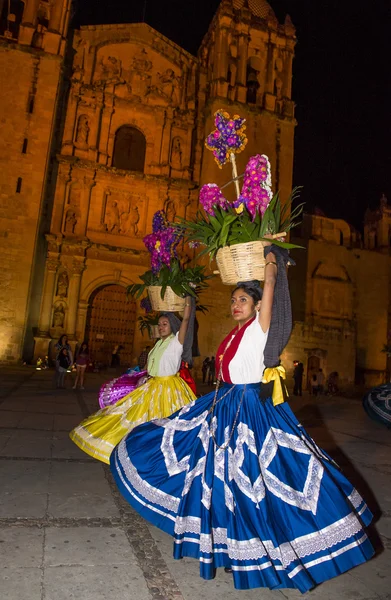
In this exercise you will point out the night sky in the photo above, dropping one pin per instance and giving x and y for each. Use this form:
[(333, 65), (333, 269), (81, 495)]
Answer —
[(341, 86)]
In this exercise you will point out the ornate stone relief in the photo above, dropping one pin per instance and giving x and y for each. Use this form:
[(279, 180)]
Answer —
[(122, 214)]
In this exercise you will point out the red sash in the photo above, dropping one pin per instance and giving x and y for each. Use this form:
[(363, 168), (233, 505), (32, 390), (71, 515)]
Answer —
[(229, 352), (186, 376)]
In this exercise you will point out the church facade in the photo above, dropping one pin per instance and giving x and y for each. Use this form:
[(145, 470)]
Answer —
[(104, 133)]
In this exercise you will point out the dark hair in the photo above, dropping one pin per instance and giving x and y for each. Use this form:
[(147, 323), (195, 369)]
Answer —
[(252, 288), (62, 336), (83, 344)]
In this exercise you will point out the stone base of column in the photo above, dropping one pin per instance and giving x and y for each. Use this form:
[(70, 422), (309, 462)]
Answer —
[(51, 42), (41, 346), (26, 32)]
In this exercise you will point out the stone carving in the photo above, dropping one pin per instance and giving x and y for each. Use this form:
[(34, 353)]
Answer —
[(170, 209), (122, 215), (108, 71), (62, 285), (167, 87), (58, 315), (70, 222), (129, 221), (83, 130), (176, 153), (111, 220), (140, 77)]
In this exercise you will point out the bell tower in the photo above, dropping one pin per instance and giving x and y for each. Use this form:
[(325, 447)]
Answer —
[(247, 60), (32, 47)]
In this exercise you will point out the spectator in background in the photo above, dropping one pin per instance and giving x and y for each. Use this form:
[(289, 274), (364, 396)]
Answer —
[(320, 378), (63, 362), (83, 359), (298, 378), (212, 371), (205, 369), (314, 384), (142, 359)]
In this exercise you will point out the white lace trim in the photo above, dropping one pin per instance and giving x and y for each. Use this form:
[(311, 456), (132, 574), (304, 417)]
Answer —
[(256, 549), (146, 490), (355, 499)]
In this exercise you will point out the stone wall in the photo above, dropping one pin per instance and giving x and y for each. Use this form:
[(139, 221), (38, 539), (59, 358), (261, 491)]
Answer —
[(28, 99)]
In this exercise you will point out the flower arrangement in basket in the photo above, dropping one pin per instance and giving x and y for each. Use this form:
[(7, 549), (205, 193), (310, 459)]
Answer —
[(234, 233), (168, 281)]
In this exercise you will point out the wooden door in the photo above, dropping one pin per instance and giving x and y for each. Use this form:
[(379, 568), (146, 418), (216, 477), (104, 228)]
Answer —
[(111, 321)]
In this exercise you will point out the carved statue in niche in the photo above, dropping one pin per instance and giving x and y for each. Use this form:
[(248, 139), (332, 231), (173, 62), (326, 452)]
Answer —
[(70, 222), (62, 285), (111, 219), (58, 315), (83, 130), (278, 88), (176, 153), (108, 71), (129, 220), (170, 209)]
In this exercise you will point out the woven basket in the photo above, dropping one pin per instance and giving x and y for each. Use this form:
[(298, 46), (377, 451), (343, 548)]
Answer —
[(241, 262), (154, 332), (171, 302)]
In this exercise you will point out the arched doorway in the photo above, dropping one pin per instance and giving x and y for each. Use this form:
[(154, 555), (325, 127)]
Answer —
[(111, 320)]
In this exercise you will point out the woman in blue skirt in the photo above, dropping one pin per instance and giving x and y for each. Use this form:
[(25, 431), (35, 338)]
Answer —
[(233, 476)]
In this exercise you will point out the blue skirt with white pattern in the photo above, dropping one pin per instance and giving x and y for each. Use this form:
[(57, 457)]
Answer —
[(271, 505)]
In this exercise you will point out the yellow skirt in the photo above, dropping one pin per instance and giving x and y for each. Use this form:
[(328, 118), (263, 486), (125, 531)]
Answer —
[(159, 397)]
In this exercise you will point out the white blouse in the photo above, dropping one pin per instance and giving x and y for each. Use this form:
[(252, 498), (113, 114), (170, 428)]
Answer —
[(170, 362), (247, 365)]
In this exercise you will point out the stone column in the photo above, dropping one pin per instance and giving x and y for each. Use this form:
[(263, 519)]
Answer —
[(30, 12), (70, 120), (287, 89), (107, 113), (47, 297), (73, 298), (164, 158), (81, 320), (271, 59), (56, 15), (85, 206), (241, 76)]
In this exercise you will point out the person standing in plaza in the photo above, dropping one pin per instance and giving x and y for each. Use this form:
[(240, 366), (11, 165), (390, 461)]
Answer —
[(234, 477), (164, 391), (142, 359), (83, 359), (61, 344), (320, 378), (212, 371), (298, 378), (205, 368), (63, 363)]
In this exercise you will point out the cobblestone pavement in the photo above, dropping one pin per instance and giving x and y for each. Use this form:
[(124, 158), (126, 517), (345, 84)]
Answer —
[(65, 532)]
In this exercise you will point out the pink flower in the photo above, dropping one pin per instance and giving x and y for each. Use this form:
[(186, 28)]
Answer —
[(211, 196)]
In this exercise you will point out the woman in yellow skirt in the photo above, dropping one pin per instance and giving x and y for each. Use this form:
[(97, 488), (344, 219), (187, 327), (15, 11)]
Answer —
[(163, 393)]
